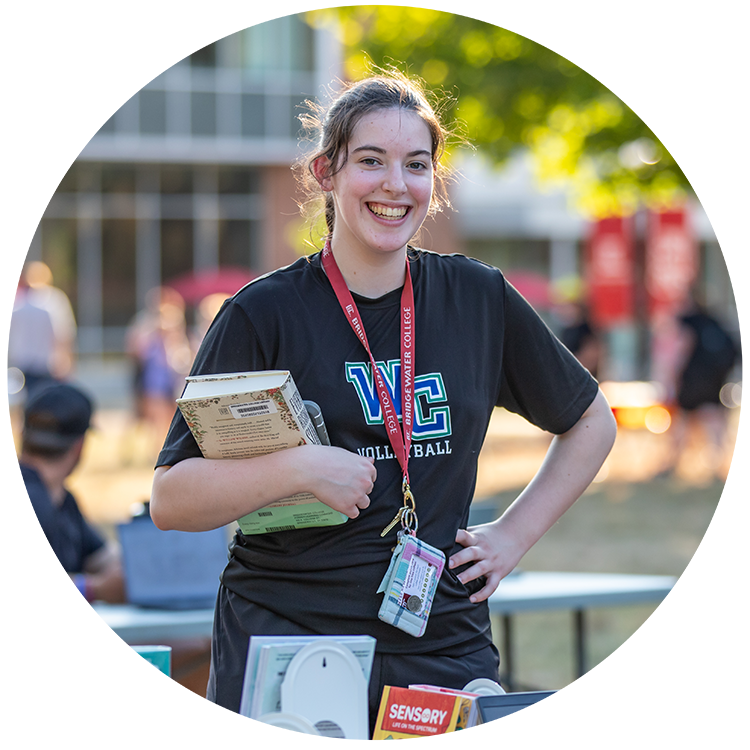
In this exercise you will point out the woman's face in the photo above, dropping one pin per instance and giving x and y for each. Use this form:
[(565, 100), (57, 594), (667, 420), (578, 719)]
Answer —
[(383, 192)]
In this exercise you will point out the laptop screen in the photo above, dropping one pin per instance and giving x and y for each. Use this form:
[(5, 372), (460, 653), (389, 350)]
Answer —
[(171, 569), (669, 711)]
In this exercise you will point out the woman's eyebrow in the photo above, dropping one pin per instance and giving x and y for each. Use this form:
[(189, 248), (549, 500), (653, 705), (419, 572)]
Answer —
[(380, 150)]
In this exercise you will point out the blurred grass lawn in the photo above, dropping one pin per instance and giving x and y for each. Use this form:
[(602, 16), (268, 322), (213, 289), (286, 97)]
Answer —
[(652, 527), (628, 521)]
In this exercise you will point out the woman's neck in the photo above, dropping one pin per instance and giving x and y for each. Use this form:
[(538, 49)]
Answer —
[(372, 277)]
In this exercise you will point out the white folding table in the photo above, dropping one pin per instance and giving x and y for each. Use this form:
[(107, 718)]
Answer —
[(102, 624), (532, 591), (521, 591)]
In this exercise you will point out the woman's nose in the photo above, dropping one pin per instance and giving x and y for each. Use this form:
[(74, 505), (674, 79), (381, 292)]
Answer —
[(394, 181)]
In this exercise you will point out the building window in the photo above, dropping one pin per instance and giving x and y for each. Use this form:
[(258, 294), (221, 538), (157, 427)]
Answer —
[(203, 113), (253, 115), (118, 178), (233, 179), (58, 251), (234, 243), (99, 33), (508, 254), (176, 247), (302, 45), (152, 34), (118, 271), (153, 112), (176, 180), (203, 35)]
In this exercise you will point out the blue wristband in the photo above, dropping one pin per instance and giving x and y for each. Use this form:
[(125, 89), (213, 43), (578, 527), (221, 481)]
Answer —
[(80, 581)]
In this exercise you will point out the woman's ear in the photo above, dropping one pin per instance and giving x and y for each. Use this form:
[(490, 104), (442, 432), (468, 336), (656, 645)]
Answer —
[(321, 170)]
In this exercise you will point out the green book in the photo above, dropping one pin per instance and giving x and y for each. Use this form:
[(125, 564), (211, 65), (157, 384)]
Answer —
[(59, 678)]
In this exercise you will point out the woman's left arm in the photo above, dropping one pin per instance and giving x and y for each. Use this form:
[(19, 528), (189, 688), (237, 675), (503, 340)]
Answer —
[(572, 461)]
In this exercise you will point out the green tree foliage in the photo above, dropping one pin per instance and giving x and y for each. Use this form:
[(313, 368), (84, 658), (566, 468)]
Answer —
[(511, 93)]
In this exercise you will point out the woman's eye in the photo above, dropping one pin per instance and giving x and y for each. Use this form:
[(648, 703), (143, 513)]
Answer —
[(417, 165), (369, 161)]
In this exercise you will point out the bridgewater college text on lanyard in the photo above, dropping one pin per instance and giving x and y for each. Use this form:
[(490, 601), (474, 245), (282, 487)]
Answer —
[(401, 442), (411, 580)]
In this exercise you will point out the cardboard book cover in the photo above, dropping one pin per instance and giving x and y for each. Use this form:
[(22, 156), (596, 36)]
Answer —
[(59, 678), (468, 714), (244, 415), (405, 713)]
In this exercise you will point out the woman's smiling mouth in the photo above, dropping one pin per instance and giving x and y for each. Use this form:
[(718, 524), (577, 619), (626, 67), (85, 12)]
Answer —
[(386, 212)]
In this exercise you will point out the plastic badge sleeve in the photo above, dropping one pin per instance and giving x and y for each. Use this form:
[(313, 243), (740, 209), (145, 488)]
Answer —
[(410, 584)]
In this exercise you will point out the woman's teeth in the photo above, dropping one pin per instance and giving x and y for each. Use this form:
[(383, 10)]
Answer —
[(387, 212)]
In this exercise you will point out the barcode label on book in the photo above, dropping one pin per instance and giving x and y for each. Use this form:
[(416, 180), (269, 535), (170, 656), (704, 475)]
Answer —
[(280, 528), (253, 409), (265, 513)]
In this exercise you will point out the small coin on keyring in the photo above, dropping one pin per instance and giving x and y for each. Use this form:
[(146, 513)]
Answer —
[(414, 603)]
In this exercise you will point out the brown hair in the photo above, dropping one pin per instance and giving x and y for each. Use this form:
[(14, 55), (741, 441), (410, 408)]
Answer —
[(335, 125)]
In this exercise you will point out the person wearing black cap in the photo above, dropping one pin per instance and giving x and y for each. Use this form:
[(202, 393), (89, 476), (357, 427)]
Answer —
[(56, 557), (56, 420)]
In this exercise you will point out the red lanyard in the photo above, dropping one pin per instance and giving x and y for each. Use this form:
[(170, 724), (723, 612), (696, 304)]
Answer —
[(401, 443)]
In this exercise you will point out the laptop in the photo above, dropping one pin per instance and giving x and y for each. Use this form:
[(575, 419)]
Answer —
[(171, 569), (668, 711)]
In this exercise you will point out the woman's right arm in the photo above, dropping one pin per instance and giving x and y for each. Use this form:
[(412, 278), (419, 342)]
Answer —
[(199, 494)]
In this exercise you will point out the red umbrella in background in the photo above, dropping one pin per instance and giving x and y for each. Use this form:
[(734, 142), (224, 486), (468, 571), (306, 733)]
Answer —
[(196, 285), (534, 287)]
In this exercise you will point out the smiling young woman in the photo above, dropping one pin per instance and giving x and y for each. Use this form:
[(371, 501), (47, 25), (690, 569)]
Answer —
[(382, 191), (407, 352)]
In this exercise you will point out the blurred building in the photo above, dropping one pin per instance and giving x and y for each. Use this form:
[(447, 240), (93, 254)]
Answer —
[(191, 173)]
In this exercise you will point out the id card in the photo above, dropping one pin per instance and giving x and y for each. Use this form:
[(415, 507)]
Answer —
[(410, 584)]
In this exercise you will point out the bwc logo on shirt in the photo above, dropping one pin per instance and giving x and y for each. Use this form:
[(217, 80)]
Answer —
[(432, 415)]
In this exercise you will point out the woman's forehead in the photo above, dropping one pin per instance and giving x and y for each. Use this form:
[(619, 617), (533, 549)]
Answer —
[(391, 128)]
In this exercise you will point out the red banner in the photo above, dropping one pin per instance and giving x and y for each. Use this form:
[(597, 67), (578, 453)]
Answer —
[(671, 260), (610, 271)]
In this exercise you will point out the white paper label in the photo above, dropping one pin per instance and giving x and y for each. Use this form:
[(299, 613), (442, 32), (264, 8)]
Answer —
[(253, 409), (417, 584)]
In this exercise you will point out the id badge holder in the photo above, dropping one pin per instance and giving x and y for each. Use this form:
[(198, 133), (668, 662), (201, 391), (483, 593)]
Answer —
[(410, 584)]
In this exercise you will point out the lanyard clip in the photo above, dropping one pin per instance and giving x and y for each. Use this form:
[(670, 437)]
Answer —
[(407, 514)]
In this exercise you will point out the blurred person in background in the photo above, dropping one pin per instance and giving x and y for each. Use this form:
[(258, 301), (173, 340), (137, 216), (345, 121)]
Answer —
[(702, 358), (575, 329), (31, 343), (205, 313), (55, 557), (41, 293), (579, 335), (158, 345)]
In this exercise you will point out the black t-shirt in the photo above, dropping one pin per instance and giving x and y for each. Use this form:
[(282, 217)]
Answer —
[(71, 538), (478, 345)]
